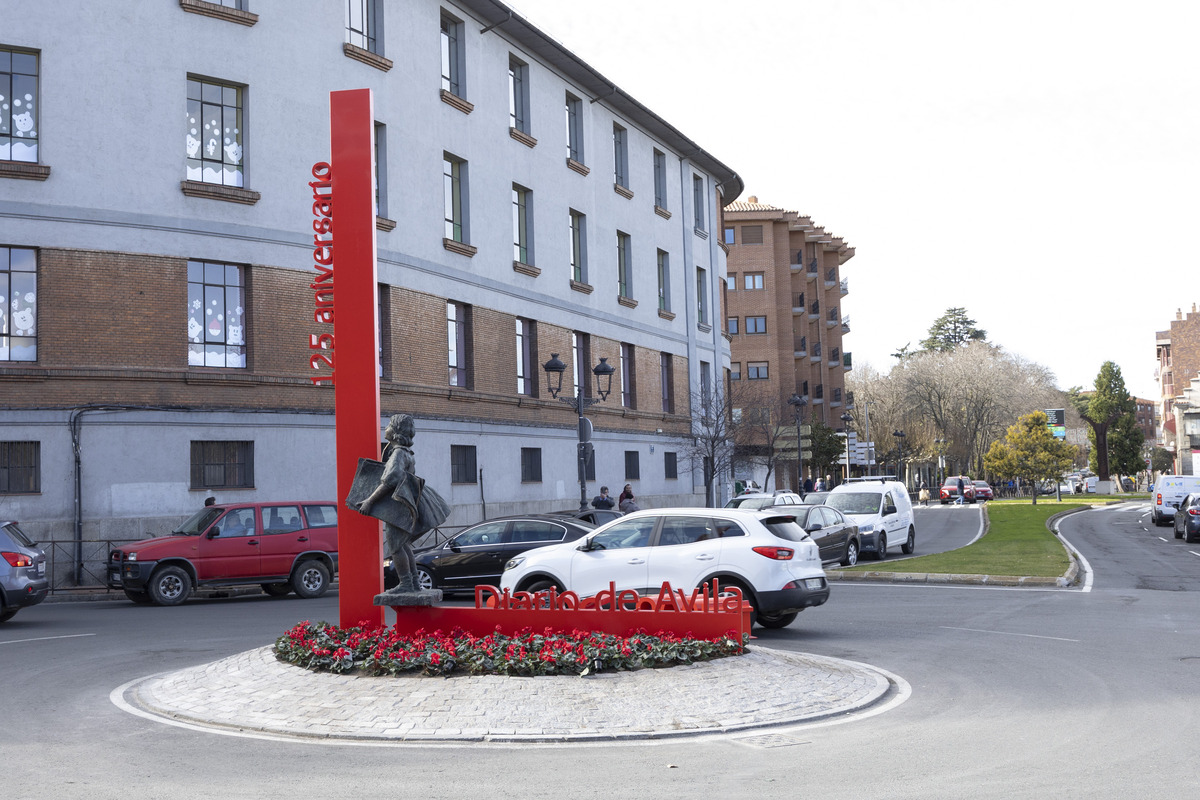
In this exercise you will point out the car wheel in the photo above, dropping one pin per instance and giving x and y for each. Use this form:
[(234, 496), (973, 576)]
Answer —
[(777, 620), (170, 586), (542, 585), (311, 579), (277, 589), (424, 579), (881, 547), (141, 598), (747, 595), (851, 556), (910, 544), (8, 613)]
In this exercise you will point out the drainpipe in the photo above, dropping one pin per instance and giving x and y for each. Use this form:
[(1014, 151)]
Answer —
[(74, 424)]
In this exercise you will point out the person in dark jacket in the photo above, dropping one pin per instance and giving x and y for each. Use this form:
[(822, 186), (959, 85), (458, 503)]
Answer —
[(626, 502), (603, 500), (962, 492)]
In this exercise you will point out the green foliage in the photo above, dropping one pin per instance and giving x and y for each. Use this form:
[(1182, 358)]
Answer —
[(1125, 440), (1161, 460), (1105, 408), (952, 330), (827, 447), (1029, 452)]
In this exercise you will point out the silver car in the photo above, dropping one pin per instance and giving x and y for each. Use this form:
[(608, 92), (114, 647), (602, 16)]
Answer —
[(23, 579)]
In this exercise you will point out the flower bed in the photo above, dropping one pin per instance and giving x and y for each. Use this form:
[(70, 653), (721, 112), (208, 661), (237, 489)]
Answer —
[(323, 647)]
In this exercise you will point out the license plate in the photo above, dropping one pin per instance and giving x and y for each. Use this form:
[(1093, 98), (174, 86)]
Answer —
[(812, 583), (41, 568)]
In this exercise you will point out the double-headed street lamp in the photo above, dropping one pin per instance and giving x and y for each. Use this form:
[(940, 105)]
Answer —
[(798, 403), (899, 455), (846, 420), (554, 375)]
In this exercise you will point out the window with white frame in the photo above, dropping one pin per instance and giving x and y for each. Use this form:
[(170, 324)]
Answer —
[(660, 179), (628, 376), (578, 224), (522, 219), (362, 26), (526, 357), (215, 136), (664, 280), (620, 156), (624, 265), (452, 55), (458, 319), (18, 304), (752, 280), (454, 179), (574, 109), (19, 105), (518, 94), (216, 321)]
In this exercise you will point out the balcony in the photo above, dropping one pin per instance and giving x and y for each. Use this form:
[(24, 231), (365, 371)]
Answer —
[(814, 310), (835, 358), (847, 362), (799, 346), (798, 303), (831, 278), (831, 318), (813, 269), (816, 352), (846, 324), (845, 287)]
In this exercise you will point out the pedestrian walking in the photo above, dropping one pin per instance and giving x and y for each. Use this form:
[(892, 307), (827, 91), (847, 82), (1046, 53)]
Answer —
[(962, 492), (923, 496)]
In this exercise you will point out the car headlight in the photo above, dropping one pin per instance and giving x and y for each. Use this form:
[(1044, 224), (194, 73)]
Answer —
[(514, 562), (131, 557), (867, 528)]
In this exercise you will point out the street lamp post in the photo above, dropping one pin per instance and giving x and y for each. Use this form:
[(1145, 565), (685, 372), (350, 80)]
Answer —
[(900, 455), (846, 420), (798, 403), (941, 448), (554, 374)]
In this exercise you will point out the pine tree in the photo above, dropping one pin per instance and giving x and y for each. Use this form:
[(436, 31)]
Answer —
[(951, 330), (1030, 452)]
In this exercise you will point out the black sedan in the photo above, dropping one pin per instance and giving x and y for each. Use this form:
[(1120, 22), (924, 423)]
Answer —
[(1187, 519), (477, 555), (596, 516), (836, 536)]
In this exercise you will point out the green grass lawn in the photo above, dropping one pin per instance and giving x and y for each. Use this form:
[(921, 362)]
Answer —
[(1017, 543)]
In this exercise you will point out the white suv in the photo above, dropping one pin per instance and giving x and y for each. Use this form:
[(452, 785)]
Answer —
[(766, 554), (882, 510), (752, 500)]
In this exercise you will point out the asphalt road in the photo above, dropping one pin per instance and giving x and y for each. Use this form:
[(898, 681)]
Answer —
[(1014, 693)]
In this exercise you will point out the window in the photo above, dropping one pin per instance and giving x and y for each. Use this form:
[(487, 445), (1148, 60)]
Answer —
[(362, 25), (702, 295), (222, 465), (321, 516), (632, 469), (19, 103), (731, 282), (381, 204), (624, 266), (526, 364), (454, 180), (531, 465), (578, 224), (522, 224), (756, 324), (452, 55), (685, 530), (518, 94), (698, 205), (664, 280), (729, 236), (281, 519), (581, 358), (731, 325), (706, 388), (735, 371), (627, 533), (216, 323), (18, 304), (752, 234), (574, 128), (670, 465), (20, 467), (462, 464), (756, 370), (383, 331), (215, 151), (628, 376), (660, 179), (752, 280), (666, 375), (458, 317), (620, 156)]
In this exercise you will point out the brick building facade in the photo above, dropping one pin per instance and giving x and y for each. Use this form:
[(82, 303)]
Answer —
[(1178, 352)]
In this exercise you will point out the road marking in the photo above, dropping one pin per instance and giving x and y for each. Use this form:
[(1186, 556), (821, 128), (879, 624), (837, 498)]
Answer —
[(1161, 539), (1006, 633), (1193, 552), (48, 638), (1083, 562)]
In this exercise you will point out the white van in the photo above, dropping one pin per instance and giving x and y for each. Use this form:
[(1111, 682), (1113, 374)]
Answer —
[(882, 510), (1169, 491)]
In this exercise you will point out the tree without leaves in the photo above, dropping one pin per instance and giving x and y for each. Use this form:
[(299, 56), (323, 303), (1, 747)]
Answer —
[(1029, 452), (764, 429), (709, 447), (951, 330)]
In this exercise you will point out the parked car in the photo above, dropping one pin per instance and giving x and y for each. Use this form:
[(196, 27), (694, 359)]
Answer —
[(1187, 518), (949, 490), (283, 546), (983, 491), (882, 510), (1169, 492), (476, 555), (815, 498), (764, 500), (766, 554), (835, 535), (23, 580), (596, 516)]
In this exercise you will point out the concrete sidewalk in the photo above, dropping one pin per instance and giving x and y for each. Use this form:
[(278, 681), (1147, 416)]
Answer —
[(253, 693)]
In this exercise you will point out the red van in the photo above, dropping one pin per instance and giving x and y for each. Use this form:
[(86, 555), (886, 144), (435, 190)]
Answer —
[(285, 547)]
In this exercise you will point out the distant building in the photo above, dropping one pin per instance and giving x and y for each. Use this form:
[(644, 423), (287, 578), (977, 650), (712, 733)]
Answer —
[(1178, 351), (784, 311)]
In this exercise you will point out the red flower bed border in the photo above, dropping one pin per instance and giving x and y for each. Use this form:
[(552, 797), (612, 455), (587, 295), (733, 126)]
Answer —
[(323, 647)]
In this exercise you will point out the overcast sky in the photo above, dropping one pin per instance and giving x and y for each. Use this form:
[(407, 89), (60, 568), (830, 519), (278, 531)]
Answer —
[(1033, 161)]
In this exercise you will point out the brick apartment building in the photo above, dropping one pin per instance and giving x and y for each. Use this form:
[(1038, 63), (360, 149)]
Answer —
[(784, 314), (155, 265), (1178, 350)]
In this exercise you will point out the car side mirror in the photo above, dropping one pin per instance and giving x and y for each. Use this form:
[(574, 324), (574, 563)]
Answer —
[(213, 532), (816, 526), (889, 510)]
